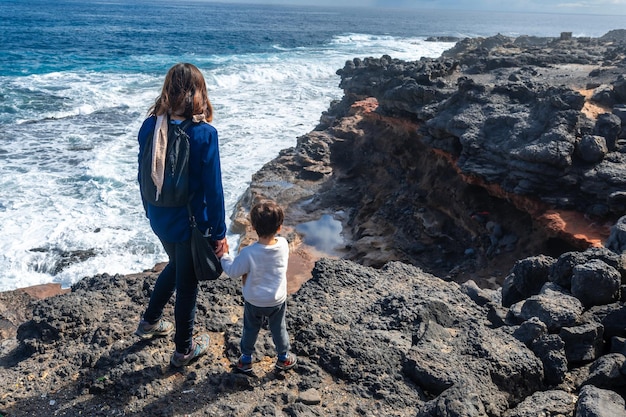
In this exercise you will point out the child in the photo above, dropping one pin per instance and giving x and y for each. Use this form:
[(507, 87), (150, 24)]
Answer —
[(263, 268)]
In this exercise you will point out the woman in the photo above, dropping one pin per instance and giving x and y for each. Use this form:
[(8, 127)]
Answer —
[(183, 97)]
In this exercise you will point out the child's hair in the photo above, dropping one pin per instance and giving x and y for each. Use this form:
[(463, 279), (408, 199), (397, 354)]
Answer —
[(266, 217), (184, 93)]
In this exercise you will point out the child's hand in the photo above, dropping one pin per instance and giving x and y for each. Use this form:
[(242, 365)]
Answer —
[(221, 247)]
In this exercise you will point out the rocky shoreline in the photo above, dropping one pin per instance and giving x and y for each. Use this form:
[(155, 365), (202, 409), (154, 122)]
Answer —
[(468, 261)]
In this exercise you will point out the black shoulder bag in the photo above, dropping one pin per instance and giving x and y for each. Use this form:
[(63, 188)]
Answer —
[(205, 263)]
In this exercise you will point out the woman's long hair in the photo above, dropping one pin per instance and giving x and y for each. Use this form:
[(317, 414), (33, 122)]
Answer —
[(184, 94)]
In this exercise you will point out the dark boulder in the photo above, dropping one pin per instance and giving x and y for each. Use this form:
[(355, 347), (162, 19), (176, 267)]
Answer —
[(597, 402), (596, 283), (526, 278)]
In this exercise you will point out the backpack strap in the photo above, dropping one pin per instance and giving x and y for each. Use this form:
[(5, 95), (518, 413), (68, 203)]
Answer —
[(185, 124), (192, 219)]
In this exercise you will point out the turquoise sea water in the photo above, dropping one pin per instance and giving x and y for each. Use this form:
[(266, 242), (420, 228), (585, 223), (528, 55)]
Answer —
[(77, 77)]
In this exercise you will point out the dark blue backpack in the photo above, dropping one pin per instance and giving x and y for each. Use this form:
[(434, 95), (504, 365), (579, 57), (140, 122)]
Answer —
[(175, 191)]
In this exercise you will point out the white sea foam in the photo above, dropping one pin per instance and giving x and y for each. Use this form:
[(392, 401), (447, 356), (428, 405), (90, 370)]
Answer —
[(69, 183)]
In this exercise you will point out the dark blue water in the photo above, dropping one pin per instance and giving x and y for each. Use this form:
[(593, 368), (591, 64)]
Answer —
[(39, 36)]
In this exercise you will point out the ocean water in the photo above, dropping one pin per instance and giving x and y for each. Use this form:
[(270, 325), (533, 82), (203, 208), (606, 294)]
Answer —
[(77, 78)]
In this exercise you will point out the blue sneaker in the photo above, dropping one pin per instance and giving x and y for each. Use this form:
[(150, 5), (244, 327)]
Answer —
[(287, 363), (161, 328), (199, 346), (244, 366)]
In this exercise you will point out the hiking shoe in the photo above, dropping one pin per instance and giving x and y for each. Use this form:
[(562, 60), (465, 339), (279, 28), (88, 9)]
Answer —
[(289, 362), (199, 346), (146, 330), (245, 367)]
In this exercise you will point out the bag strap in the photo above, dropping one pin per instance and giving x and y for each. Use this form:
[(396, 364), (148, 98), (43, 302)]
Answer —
[(183, 126), (192, 218)]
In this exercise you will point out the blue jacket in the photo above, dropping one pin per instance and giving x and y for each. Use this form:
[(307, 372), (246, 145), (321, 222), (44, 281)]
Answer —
[(171, 224)]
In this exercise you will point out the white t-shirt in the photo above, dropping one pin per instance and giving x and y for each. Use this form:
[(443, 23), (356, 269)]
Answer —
[(266, 266)]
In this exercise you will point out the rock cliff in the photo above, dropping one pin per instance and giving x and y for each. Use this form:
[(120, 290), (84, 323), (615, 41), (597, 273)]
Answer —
[(457, 247), (502, 148)]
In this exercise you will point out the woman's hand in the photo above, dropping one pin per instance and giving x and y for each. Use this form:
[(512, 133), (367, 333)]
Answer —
[(221, 247)]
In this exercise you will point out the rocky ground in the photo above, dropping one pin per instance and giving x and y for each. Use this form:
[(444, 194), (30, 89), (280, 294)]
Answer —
[(470, 191)]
